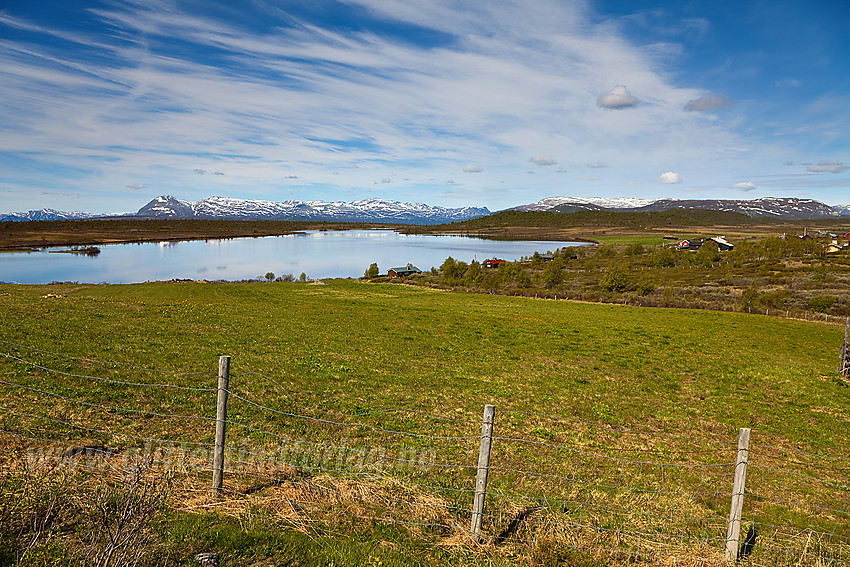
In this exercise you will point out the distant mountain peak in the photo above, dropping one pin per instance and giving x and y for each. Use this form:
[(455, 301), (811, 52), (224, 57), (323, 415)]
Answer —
[(46, 215), (365, 210), (774, 207)]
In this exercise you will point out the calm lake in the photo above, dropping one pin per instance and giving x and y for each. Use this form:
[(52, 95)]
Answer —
[(319, 254)]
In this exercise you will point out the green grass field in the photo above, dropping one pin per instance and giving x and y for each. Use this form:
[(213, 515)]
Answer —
[(645, 385)]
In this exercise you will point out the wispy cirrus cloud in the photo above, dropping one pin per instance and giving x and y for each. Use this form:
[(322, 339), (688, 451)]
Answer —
[(826, 166), (170, 92), (543, 160), (707, 102), (745, 185)]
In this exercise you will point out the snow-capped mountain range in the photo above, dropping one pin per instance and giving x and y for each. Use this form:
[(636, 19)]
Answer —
[(367, 210), (379, 210), (773, 207), (47, 214)]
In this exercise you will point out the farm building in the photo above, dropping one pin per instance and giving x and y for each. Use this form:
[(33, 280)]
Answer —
[(492, 263), (722, 244), (408, 270), (689, 245)]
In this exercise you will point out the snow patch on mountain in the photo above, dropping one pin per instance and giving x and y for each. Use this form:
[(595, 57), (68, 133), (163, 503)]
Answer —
[(366, 210), (603, 202), (49, 215)]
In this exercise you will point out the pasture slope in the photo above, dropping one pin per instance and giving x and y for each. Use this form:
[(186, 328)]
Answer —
[(355, 417)]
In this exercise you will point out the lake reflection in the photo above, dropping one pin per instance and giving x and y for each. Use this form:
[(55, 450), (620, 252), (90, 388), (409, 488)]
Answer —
[(319, 254)]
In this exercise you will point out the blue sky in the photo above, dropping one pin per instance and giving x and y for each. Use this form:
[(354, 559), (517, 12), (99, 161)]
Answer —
[(105, 105)]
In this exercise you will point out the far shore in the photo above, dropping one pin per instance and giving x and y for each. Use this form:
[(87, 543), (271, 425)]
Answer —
[(36, 235)]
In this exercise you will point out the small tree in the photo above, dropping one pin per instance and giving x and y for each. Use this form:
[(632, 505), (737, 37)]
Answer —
[(302, 277), (552, 275), (707, 255), (615, 278), (473, 273), (269, 276), (372, 272), (450, 268)]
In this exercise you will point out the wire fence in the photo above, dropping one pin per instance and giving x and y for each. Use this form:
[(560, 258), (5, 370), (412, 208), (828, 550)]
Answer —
[(553, 483)]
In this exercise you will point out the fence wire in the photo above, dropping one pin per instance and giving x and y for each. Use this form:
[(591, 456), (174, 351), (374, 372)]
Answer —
[(555, 482)]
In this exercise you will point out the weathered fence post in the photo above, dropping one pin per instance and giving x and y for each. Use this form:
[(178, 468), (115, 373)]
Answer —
[(221, 423), (844, 362), (733, 534), (483, 469)]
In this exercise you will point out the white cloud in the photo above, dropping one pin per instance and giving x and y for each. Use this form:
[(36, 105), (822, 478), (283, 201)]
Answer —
[(543, 160), (508, 82), (471, 169), (386, 180), (826, 166), (597, 164), (670, 177), (200, 171), (137, 187), (745, 186), (617, 98), (708, 102)]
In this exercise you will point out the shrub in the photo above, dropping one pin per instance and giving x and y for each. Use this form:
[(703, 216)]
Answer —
[(606, 252), (635, 249), (822, 303), (615, 279), (748, 298), (707, 255), (645, 286), (664, 258), (774, 299)]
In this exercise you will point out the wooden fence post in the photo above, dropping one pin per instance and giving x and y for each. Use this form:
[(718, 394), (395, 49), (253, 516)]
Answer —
[(221, 423), (844, 361), (483, 469), (733, 534)]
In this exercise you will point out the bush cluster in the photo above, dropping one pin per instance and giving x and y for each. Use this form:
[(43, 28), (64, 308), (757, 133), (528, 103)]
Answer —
[(771, 274)]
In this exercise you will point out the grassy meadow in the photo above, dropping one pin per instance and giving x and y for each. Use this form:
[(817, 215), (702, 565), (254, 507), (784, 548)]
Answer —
[(576, 386)]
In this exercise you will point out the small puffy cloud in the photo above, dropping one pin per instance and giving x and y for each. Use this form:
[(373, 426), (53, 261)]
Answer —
[(670, 177), (543, 160), (597, 165), (471, 169), (137, 187), (617, 98), (707, 102), (386, 180), (218, 173), (200, 171), (291, 177), (745, 186), (825, 166)]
